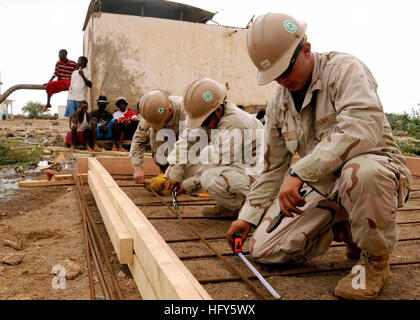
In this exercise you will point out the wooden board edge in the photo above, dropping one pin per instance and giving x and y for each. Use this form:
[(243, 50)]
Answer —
[(143, 283), (159, 249), (48, 183), (118, 165), (106, 179), (118, 233)]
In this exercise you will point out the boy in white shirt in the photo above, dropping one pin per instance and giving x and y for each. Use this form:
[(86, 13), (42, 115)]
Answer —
[(80, 80)]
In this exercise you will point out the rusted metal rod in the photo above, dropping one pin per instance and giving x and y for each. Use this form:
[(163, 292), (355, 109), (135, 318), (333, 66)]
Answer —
[(338, 245), (185, 204), (409, 209), (295, 273), (205, 256), (191, 217), (408, 222), (399, 240), (87, 248), (223, 237), (131, 186), (114, 283), (99, 273), (115, 286)]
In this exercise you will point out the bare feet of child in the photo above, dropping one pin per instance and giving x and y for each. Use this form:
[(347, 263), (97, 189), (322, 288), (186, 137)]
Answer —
[(47, 107)]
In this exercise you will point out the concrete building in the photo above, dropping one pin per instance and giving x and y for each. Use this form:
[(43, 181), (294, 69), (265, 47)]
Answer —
[(61, 111), (134, 46), (4, 106)]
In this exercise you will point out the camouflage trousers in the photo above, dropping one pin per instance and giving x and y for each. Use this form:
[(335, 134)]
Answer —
[(229, 186), (367, 194)]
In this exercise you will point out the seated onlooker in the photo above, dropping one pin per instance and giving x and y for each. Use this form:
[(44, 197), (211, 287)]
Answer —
[(63, 70), (127, 122), (261, 115), (80, 128), (103, 125)]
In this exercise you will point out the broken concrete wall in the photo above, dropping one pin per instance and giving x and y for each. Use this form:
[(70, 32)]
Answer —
[(130, 55)]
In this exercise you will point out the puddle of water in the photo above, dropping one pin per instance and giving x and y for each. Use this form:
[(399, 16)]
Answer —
[(8, 181), (42, 163)]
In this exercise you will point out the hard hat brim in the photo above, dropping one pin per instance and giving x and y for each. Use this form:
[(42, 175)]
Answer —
[(157, 126), (281, 65), (196, 123)]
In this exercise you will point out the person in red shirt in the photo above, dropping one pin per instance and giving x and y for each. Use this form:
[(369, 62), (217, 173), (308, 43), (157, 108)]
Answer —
[(127, 122), (63, 70)]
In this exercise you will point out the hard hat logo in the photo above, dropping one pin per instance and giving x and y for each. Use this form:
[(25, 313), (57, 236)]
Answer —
[(208, 96), (161, 110), (290, 26), (265, 64)]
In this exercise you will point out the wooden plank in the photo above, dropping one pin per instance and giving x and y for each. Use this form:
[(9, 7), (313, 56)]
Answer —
[(166, 272), (99, 153), (100, 171), (121, 239), (47, 183), (60, 177), (168, 275), (414, 165)]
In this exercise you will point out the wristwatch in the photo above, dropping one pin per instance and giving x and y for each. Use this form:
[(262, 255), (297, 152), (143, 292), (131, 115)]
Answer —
[(292, 173)]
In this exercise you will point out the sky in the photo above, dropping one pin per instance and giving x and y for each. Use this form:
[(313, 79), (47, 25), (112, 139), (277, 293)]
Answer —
[(381, 33)]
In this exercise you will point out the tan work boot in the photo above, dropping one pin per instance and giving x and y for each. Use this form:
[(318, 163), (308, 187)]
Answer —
[(218, 210), (366, 286), (342, 233)]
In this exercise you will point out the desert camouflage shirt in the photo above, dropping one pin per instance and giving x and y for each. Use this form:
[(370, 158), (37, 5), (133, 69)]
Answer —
[(341, 117), (221, 141), (145, 134)]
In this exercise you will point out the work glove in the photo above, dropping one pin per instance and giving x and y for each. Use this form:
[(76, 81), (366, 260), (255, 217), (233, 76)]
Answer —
[(156, 184)]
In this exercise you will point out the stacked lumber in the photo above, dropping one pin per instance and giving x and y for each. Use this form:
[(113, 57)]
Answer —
[(157, 271), (57, 180)]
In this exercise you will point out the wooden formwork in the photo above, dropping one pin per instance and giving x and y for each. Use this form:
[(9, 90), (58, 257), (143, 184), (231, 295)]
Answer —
[(157, 271)]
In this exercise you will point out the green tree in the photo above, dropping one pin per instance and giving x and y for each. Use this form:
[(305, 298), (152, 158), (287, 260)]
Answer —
[(33, 109), (414, 124)]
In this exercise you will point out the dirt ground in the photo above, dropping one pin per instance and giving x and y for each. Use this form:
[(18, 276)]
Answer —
[(45, 224), (403, 284)]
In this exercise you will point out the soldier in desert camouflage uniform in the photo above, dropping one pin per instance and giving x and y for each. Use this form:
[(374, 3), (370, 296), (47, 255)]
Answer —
[(227, 182), (158, 111), (327, 111)]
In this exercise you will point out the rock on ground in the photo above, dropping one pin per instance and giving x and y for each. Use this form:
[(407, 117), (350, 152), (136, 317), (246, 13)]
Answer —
[(13, 259), (12, 244), (72, 269)]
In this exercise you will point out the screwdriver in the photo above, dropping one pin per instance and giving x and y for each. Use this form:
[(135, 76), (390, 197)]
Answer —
[(200, 195), (237, 249)]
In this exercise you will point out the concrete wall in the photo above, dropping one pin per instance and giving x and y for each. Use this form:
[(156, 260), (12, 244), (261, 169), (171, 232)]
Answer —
[(61, 111), (131, 55)]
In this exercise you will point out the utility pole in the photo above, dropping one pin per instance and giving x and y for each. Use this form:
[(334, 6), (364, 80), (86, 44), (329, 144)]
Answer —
[(1, 104)]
